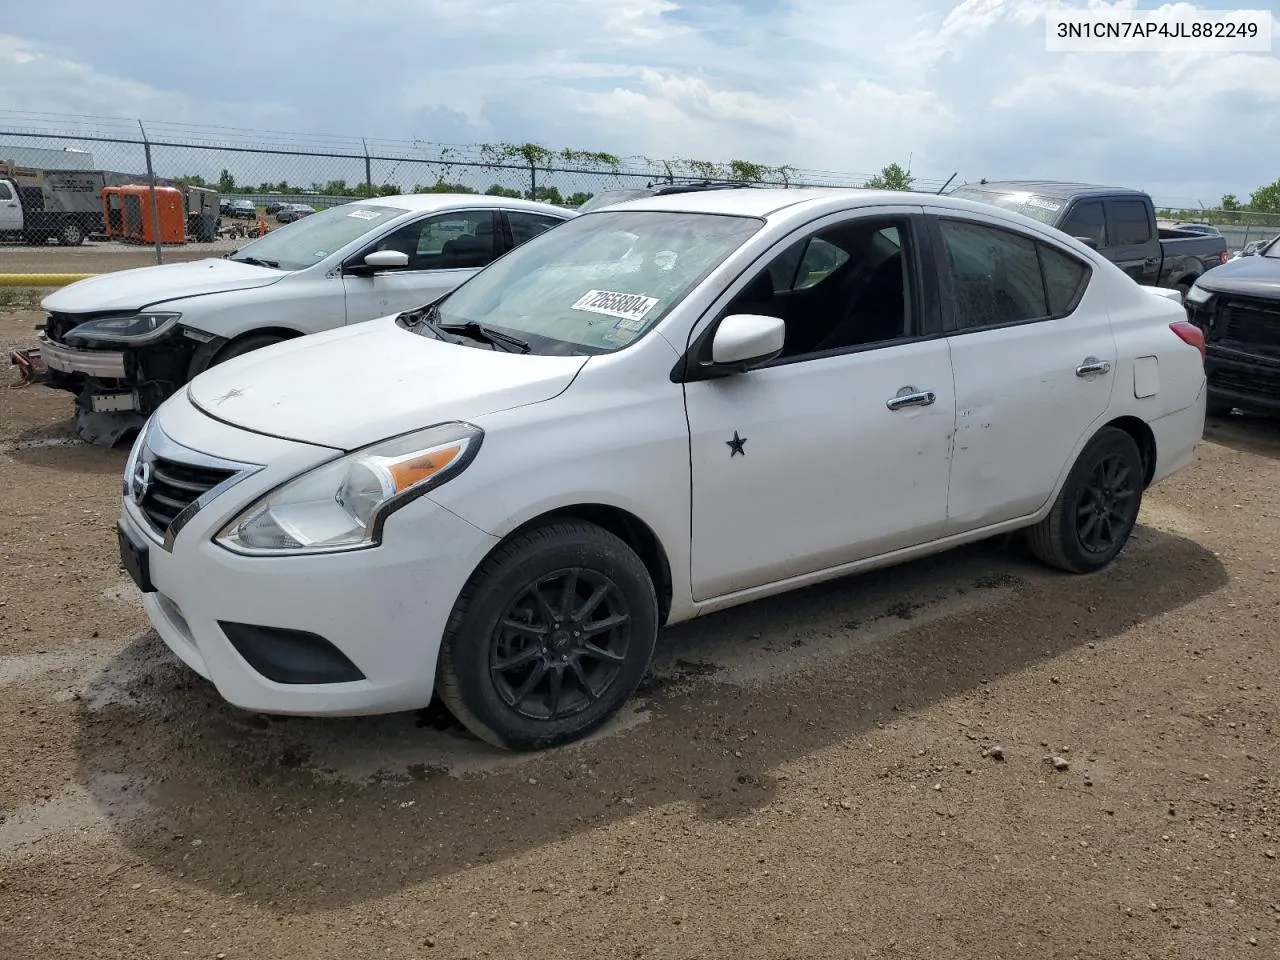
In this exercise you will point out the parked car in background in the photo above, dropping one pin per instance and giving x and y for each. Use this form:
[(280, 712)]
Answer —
[(608, 198), (503, 495), (273, 206), (224, 206), (1204, 229), (1238, 308), (1119, 222), (123, 341), (290, 212), (241, 209)]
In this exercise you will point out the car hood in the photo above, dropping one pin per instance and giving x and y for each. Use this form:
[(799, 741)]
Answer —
[(1257, 276), (356, 385), (147, 286)]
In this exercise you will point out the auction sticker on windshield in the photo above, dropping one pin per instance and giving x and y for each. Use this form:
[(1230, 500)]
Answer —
[(627, 306), (364, 214)]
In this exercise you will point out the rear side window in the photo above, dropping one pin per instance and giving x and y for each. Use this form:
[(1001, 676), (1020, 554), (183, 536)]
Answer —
[(1064, 279), (526, 226), (1129, 223), (995, 275), (999, 277), (1085, 220)]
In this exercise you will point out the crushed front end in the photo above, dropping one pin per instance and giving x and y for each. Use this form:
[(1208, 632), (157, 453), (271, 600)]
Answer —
[(119, 365)]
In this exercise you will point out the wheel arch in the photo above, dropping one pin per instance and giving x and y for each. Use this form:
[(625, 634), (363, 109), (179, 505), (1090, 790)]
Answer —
[(1143, 436), (626, 526), (205, 354)]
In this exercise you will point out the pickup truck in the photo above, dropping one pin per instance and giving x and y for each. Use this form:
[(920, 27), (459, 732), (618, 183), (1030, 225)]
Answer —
[(39, 205), (1117, 222), (1238, 308)]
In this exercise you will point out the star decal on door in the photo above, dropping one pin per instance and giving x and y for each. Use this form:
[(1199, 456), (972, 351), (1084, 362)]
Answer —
[(736, 445)]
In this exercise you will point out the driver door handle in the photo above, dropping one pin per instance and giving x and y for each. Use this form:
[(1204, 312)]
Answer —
[(1091, 366), (910, 397)]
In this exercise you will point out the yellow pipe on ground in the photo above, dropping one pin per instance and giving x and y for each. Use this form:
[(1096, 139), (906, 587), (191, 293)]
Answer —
[(41, 279)]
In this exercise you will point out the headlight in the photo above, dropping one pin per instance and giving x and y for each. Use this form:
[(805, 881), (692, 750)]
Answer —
[(1198, 294), (135, 328), (131, 464), (343, 504)]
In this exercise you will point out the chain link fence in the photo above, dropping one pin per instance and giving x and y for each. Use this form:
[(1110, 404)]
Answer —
[(216, 186)]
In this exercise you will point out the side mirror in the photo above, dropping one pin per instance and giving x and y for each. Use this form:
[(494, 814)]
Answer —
[(1089, 242), (744, 340), (387, 260)]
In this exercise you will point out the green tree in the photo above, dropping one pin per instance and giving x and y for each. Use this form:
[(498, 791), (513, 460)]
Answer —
[(1229, 202), (578, 199), (226, 182), (497, 190), (892, 177), (548, 195), (441, 186), (1266, 199)]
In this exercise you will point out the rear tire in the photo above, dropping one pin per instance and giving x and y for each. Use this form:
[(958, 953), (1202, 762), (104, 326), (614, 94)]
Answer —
[(1184, 289), (549, 638), (1096, 510), (71, 235)]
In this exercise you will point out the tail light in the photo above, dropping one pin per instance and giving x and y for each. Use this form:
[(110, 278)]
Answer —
[(1222, 257), (1189, 334)]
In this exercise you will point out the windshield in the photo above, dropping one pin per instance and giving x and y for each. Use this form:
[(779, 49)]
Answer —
[(598, 282), (1029, 205), (1272, 251), (311, 239)]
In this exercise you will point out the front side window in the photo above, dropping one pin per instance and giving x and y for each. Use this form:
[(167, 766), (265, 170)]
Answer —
[(447, 241), (844, 287), (598, 282), (310, 239), (1129, 223), (5, 192), (1086, 220)]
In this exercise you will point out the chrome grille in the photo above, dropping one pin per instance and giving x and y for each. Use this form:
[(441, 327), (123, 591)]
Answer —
[(169, 483), (174, 486)]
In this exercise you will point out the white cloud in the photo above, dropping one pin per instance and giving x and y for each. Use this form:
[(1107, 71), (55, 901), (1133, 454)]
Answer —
[(818, 84)]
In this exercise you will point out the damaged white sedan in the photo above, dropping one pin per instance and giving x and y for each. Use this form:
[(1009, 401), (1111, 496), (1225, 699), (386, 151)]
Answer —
[(654, 411)]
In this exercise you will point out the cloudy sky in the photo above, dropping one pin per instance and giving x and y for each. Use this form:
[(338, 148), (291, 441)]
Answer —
[(819, 84)]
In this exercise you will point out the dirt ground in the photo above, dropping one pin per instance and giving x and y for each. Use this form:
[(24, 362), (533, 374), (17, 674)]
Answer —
[(863, 769)]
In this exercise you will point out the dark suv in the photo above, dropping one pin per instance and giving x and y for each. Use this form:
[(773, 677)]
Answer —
[(1237, 305)]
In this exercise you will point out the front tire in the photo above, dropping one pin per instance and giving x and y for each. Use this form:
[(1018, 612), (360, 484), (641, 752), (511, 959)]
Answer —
[(71, 235), (246, 344), (549, 638), (1097, 508)]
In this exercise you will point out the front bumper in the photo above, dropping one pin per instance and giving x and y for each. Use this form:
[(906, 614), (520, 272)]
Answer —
[(101, 364), (383, 609), (1243, 380)]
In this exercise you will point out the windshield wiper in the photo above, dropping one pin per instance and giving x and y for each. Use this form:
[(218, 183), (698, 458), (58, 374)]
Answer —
[(474, 330), (257, 262)]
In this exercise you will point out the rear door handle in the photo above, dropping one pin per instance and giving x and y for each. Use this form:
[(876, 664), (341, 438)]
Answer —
[(1092, 367), (911, 397), (1151, 261)]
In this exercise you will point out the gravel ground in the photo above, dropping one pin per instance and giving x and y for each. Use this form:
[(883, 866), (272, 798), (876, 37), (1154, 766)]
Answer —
[(103, 257), (964, 757)]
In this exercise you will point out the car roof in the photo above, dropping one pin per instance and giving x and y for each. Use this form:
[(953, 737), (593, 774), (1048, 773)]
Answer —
[(431, 202), (1054, 189), (768, 201)]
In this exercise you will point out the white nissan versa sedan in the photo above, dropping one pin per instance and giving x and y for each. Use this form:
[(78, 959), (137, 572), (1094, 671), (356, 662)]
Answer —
[(651, 412)]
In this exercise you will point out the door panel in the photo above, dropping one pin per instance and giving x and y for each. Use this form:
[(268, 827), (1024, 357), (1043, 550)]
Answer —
[(1132, 243), (827, 473), (1021, 404), (10, 210), (802, 464)]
